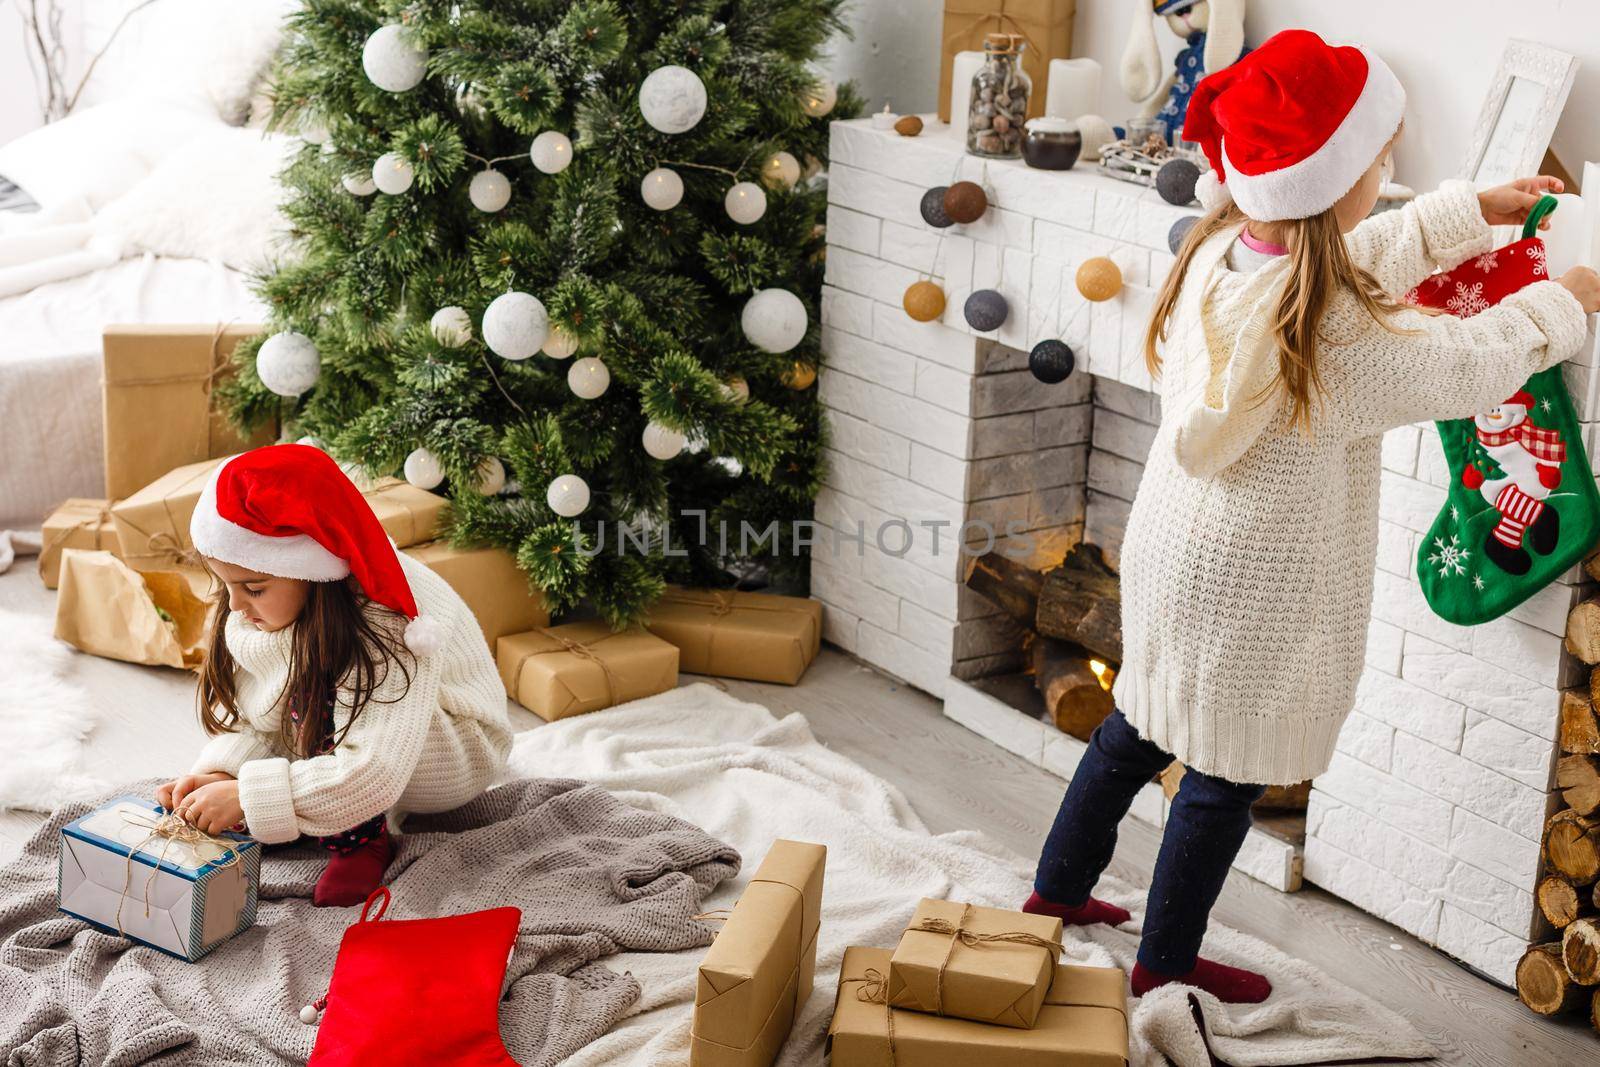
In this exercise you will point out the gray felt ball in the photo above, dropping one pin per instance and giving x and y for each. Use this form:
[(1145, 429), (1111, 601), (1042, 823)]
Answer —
[(1051, 361), (985, 310), (933, 208), (1176, 179), (1179, 231)]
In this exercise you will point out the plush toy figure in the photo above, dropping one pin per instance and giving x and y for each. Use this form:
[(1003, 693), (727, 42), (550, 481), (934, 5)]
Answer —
[(1529, 458), (1213, 35)]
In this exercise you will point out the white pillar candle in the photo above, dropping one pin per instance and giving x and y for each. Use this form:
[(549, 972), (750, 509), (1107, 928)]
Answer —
[(1074, 89), (963, 67)]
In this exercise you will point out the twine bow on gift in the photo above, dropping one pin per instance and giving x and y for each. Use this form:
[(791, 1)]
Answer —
[(1000, 18), (578, 648), (162, 547), (875, 990), (169, 828), (959, 934), (97, 523)]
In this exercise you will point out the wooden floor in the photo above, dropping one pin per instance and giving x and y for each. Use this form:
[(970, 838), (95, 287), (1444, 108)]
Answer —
[(956, 780)]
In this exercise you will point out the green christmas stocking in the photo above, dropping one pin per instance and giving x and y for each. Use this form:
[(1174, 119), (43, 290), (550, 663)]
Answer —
[(1522, 504)]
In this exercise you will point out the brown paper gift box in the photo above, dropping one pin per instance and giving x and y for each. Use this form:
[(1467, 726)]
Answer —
[(723, 632), (758, 973), (153, 523), (107, 609), (987, 981), (489, 580), (559, 671), (78, 523), (1046, 26), (1083, 1023), (158, 401)]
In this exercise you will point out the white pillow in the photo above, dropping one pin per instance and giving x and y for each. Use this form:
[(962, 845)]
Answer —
[(99, 153), (211, 51), (215, 198)]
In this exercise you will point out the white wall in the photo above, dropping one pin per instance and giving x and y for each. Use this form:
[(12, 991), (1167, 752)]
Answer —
[(1445, 54)]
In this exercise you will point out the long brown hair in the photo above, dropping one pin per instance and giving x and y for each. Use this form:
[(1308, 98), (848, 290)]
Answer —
[(337, 653), (1319, 266)]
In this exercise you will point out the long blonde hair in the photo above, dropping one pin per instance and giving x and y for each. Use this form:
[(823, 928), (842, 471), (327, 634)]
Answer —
[(1320, 264)]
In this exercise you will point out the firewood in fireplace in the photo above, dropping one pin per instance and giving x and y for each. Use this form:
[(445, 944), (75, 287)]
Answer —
[(1076, 694), (1007, 584), (1578, 778), (1560, 902), (1081, 601), (1580, 951), (1572, 846), (1277, 800), (1580, 728), (1583, 631), (1543, 983), (1594, 1011)]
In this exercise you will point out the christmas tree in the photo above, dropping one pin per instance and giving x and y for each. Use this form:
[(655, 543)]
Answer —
[(562, 259)]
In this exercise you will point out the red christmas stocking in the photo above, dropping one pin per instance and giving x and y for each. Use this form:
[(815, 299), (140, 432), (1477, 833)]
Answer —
[(417, 992)]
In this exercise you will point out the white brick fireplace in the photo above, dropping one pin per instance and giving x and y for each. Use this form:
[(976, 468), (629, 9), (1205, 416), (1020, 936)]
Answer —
[(1431, 814)]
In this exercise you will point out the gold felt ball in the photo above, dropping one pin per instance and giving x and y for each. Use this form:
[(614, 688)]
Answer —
[(924, 301), (1099, 279), (909, 126), (800, 376), (965, 202)]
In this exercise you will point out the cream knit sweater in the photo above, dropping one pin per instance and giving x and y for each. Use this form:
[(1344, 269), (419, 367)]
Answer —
[(434, 748), (1248, 563)]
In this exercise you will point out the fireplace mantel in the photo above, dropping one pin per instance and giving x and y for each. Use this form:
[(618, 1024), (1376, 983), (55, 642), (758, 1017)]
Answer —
[(1431, 813)]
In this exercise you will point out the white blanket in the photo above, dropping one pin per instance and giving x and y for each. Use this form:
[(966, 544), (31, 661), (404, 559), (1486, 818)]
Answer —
[(747, 778)]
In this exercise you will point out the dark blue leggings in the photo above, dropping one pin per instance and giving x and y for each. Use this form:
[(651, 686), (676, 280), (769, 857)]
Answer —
[(1205, 828)]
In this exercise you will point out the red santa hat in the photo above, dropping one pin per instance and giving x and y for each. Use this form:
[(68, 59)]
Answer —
[(1521, 397), (289, 511), (1291, 127)]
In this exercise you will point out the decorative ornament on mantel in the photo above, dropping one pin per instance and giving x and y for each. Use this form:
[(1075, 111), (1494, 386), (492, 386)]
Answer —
[(451, 326), (1099, 278), (745, 203), (568, 496), (672, 99), (288, 363), (551, 152), (1179, 230), (774, 320), (662, 189), (965, 202), (908, 126), (489, 190), (392, 173), (923, 301), (515, 325), (393, 59), (985, 310), (423, 469), (1176, 180), (932, 208), (1051, 361)]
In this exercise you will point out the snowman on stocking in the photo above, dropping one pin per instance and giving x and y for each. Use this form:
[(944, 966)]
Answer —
[(1529, 457)]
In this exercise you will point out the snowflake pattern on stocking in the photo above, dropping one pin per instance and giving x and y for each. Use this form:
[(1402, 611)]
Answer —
[(1449, 558), (1536, 253), (1477, 582), (1488, 261), (1468, 300)]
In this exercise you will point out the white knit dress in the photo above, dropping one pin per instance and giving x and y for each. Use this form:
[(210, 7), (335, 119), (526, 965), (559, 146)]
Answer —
[(1248, 562), (432, 749)]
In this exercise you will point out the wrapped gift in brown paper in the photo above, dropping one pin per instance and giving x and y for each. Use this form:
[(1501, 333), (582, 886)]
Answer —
[(491, 583), (79, 523), (159, 401), (759, 636), (758, 973), (558, 671), (108, 609), (1045, 27), (1083, 1023), (408, 515), (984, 964)]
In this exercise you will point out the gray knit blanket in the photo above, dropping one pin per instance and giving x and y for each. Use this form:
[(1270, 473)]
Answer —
[(592, 876)]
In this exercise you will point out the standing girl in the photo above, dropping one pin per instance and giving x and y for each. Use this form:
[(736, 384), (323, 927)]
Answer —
[(345, 682), (1248, 564)]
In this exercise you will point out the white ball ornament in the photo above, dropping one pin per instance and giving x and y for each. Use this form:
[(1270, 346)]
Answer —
[(423, 469), (672, 99), (551, 152), (662, 189), (820, 98), (560, 344), (392, 173), (451, 326), (515, 325), (774, 320), (288, 363), (489, 190), (745, 203), (662, 442), (491, 476), (588, 377), (568, 496), (780, 171), (393, 59), (358, 184)]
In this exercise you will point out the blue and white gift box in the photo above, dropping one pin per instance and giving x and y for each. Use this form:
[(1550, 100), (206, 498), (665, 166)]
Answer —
[(183, 897)]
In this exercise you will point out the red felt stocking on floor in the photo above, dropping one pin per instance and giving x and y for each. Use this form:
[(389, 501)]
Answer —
[(355, 873)]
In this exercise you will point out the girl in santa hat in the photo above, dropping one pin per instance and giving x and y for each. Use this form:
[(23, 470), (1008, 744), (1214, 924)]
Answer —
[(344, 682), (1247, 567)]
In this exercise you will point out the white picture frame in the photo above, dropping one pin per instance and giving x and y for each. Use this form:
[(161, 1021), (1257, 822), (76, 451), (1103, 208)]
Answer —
[(1519, 112)]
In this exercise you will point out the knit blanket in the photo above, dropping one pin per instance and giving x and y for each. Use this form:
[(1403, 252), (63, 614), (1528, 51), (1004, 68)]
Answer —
[(592, 875)]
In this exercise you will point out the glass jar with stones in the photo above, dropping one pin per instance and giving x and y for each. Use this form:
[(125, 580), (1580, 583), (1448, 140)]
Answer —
[(998, 104)]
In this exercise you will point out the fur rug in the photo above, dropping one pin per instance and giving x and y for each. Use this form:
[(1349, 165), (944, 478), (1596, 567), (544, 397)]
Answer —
[(44, 721)]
